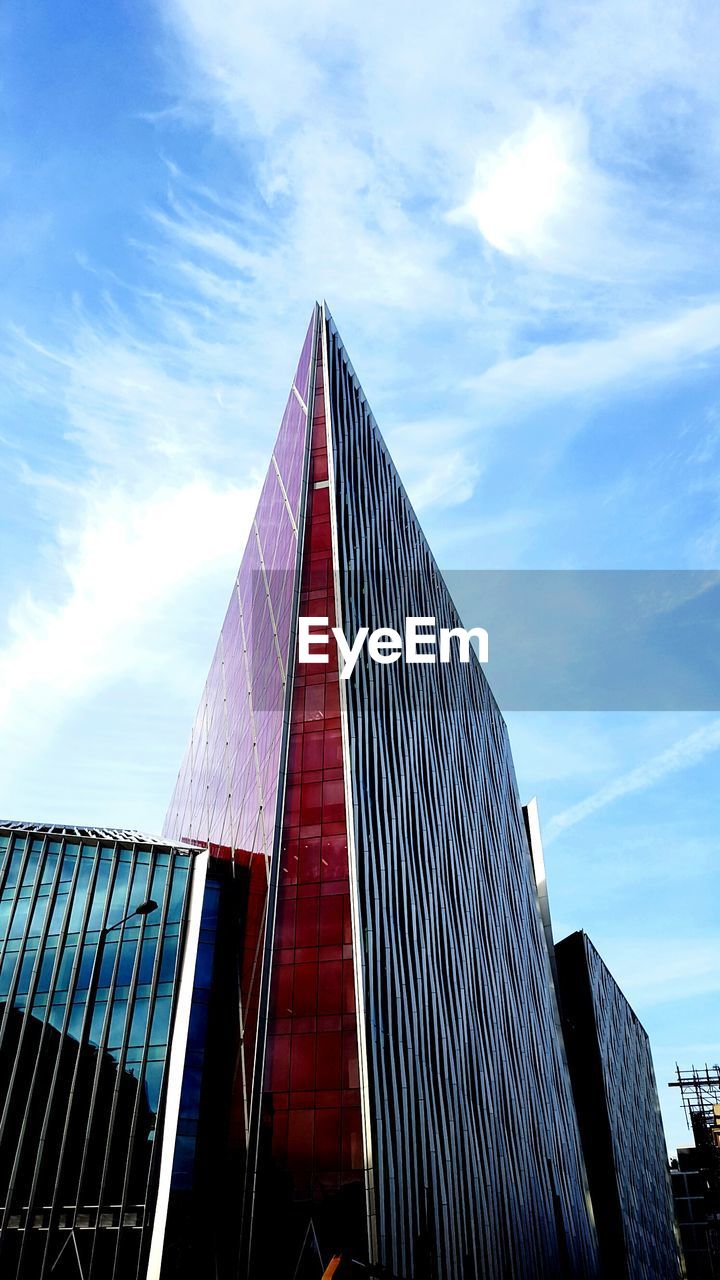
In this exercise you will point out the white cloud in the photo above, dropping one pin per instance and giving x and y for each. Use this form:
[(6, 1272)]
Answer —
[(535, 188), (121, 571), (683, 754)]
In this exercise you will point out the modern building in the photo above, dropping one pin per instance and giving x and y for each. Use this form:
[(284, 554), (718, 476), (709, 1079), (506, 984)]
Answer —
[(402, 1091), (318, 1017), (619, 1115)]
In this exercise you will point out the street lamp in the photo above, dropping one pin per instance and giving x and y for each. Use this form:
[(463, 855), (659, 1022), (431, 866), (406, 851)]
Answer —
[(144, 909)]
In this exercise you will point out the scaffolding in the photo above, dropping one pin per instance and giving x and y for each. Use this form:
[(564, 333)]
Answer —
[(700, 1089)]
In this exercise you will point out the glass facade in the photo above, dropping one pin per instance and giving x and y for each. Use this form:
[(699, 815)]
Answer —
[(87, 993), (311, 1158), (226, 795), (619, 1114)]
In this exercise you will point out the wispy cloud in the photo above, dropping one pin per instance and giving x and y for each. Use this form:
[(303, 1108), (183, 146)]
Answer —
[(345, 139), (684, 753), (639, 353)]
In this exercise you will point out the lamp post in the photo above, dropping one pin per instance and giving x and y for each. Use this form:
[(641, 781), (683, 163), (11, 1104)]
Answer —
[(144, 909)]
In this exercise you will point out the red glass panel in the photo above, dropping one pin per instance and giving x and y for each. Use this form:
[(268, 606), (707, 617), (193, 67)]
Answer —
[(302, 1068), (330, 921), (311, 862), (312, 1072), (305, 993), (329, 1060), (306, 929)]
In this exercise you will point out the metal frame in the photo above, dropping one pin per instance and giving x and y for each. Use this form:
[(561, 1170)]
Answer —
[(175, 1066), (350, 823)]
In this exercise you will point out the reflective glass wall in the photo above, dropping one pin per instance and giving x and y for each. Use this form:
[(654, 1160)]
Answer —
[(86, 1003), (226, 793)]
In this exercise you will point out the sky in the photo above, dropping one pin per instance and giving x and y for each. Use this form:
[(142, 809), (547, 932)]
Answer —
[(512, 209)]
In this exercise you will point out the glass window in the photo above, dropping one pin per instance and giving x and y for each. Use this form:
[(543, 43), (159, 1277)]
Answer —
[(5, 909), (147, 960), (66, 964), (99, 897), (58, 913), (6, 971), (16, 857), (139, 1022), (161, 1021), (153, 1083), (107, 964), (56, 1015), (96, 1022), (37, 920), (87, 961), (80, 895), (31, 865), (17, 926), (118, 897), (49, 865), (117, 1024), (77, 1013), (177, 892), (127, 962), (46, 968), (167, 963)]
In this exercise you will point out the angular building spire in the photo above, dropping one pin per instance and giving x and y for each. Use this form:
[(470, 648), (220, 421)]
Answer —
[(401, 1092)]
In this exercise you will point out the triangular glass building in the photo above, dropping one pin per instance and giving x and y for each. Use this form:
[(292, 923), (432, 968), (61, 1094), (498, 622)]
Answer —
[(399, 1093)]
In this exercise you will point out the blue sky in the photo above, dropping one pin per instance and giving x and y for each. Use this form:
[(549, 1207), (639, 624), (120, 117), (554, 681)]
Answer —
[(512, 210)]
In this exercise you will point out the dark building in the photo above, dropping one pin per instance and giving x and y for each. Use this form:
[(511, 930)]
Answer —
[(696, 1213), (402, 1090), (619, 1115), (695, 1174)]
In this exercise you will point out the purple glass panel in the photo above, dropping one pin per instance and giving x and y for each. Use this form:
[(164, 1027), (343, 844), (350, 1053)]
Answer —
[(226, 792)]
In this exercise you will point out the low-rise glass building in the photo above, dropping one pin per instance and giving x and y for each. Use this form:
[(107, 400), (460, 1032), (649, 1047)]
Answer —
[(108, 943)]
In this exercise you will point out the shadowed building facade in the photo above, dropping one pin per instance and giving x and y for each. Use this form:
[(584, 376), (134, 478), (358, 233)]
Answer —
[(619, 1115), (401, 1090)]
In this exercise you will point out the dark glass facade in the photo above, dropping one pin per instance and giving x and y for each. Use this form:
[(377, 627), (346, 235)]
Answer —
[(86, 1012), (619, 1115), (402, 1092)]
